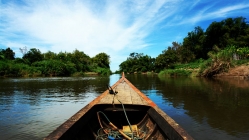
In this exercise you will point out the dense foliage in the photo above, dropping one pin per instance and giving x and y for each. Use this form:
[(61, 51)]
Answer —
[(222, 60), (137, 62), (198, 45), (215, 48), (35, 63), (7, 54)]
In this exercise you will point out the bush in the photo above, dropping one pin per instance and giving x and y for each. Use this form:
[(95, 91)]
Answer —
[(192, 65), (175, 72), (3, 68), (10, 69), (78, 74), (19, 60), (103, 71), (55, 67), (240, 62), (220, 61)]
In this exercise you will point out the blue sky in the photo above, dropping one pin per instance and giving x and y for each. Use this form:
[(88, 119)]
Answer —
[(115, 27)]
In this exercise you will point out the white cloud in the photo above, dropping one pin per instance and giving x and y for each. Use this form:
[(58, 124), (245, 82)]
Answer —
[(209, 12), (116, 27), (68, 25), (223, 12)]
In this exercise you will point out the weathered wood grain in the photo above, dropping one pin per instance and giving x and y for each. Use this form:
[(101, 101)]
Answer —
[(126, 95)]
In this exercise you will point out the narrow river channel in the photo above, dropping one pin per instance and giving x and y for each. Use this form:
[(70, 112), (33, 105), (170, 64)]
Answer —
[(208, 109)]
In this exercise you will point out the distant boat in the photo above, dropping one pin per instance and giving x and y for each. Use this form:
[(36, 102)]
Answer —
[(121, 112)]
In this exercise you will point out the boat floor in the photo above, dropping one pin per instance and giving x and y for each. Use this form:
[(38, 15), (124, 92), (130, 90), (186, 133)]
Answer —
[(126, 94), (94, 125), (140, 110)]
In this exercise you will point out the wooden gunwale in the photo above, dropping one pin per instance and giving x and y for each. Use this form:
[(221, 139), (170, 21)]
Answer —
[(148, 100), (171, 128), (163, 116), (56, 134)]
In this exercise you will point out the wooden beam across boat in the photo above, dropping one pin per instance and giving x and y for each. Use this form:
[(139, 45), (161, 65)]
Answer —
[(126, 106)]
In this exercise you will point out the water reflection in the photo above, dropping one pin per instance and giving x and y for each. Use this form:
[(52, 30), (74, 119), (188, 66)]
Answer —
[(31, 108), (204, 107)]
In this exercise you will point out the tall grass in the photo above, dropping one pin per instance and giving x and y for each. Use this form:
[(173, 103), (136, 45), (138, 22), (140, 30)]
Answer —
[(175, 72), (222, 60), (102, 71), (10, 69)]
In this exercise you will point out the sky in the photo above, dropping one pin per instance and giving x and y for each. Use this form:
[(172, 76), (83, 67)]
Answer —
[(115, 27)]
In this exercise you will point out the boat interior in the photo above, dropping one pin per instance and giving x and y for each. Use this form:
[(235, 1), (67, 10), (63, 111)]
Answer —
[(117, 122)]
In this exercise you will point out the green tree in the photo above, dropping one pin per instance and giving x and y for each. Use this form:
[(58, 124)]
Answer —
[(49, 55), (1, 54), (160, 62), (55, 67), (167, 59), (214, 36), (231, 31), (8, 54), (102, 60), (137, 62), (194, 43), (33, 55), (147, 63), (62, 56), (236, 30), (186, 55), (80, 59)]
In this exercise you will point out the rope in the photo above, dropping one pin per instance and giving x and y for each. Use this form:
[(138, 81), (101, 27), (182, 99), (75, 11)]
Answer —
[(126, 118), (104, 116), (111, 134), (132, 136), (116, 133), (112, 125)]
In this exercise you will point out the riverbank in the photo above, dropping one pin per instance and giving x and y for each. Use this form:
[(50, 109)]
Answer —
[(198, 103), (241, 71), (199, 69)]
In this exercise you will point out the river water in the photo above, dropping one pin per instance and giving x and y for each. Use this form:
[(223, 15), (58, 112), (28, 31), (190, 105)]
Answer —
[(208, 109)]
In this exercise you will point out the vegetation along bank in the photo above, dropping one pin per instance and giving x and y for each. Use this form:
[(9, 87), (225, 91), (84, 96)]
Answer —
[(221, 50)]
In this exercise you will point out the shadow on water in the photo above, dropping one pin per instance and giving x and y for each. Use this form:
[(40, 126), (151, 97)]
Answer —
[(34, 89), (204, 107), (31, 108)]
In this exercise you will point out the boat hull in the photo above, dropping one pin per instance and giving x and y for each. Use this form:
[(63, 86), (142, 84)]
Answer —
[(129, 109)]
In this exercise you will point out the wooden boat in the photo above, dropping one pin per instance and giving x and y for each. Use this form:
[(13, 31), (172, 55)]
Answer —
[(121, 112)]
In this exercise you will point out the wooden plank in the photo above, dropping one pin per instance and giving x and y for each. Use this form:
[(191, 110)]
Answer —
[(144, 98), (126, 95), (172, 129)]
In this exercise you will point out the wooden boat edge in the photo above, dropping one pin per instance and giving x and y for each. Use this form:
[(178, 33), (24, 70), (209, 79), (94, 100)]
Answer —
[(172, 125), (163, 115), (59, 131)]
